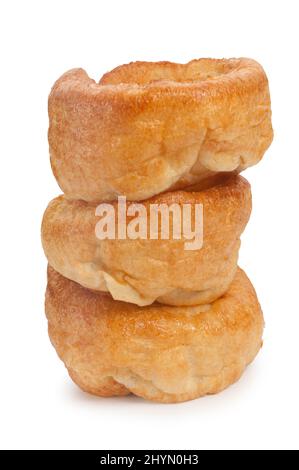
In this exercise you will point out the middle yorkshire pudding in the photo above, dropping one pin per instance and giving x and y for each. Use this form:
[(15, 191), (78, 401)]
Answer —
[(142, 271), (149, 127)]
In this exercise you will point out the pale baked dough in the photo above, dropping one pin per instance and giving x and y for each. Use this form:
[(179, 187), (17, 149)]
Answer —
[(148, 127), (160, 353), (142, 271)]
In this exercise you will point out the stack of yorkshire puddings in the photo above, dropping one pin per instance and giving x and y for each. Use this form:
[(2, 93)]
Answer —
[(132, 308)]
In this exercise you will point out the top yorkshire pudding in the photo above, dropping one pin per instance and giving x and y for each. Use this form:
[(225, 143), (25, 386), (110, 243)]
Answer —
[(149, 127)]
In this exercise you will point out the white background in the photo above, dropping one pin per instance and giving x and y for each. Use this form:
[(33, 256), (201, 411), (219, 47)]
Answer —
[(39, 407)]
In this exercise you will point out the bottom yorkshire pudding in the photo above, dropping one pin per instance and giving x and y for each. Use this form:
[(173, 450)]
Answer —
[(161, 353), (140, 269)]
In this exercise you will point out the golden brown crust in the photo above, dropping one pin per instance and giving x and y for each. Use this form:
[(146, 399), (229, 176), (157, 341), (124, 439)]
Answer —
[(161, 353), (150, 127), (142, 271)]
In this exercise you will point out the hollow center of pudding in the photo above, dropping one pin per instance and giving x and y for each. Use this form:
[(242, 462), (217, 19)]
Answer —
[(143, 73)]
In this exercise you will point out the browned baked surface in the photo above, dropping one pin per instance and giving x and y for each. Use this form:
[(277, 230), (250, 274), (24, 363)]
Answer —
[(161, 353), (150, 127), (142, 271)]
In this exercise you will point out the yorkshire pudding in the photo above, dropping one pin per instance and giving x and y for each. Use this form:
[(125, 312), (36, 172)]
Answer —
[(160, 353), (149, 127), (144, 270)]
